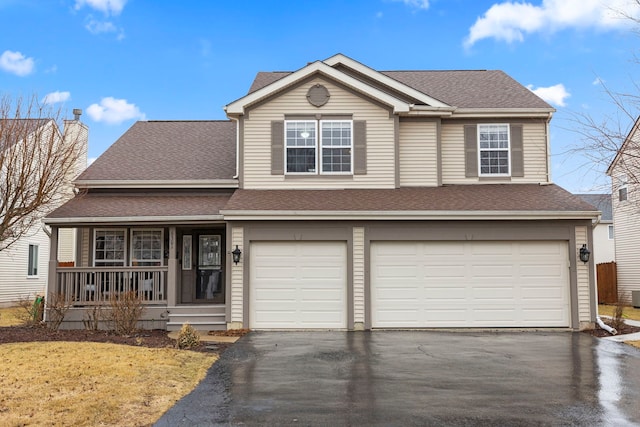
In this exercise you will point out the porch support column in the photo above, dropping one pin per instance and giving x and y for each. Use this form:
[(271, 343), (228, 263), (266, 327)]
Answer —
[(52, 282), (172, 273)]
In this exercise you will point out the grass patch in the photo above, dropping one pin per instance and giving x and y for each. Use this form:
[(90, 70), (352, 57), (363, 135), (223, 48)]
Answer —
[(12, 316), (629, 312), (633, 343), (64, 383)]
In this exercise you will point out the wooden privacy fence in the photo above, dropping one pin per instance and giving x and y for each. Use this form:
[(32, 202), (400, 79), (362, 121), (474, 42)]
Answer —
[(607, 278)]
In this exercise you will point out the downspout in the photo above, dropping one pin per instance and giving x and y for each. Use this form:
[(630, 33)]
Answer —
[(599, 321), (548, 141), (237, 147)]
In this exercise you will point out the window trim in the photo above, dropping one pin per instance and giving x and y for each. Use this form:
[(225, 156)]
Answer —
[(124, 260), (132, 231), (30, 273), (481, 150), (321, 147), (623, 188), (318, 147), (286, 147)]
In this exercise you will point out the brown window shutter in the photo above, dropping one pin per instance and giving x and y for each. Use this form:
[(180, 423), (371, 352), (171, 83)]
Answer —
[(517, 157), (470, 151), (359, 147), (277, 148)]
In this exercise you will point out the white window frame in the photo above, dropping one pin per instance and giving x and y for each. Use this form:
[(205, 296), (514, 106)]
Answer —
[(131, 250), (124, 260), (623, 187), (318, 147), (481, 150), (286, 147), (31, 274), (610, 230), (321, 148)]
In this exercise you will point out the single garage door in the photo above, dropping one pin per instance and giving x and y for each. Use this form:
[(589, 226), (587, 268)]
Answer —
[(470, 284), (298, 285)]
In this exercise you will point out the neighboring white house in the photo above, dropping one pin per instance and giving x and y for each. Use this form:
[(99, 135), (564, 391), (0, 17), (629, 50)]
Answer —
[(604, 249), (626, 213), (24, 265)]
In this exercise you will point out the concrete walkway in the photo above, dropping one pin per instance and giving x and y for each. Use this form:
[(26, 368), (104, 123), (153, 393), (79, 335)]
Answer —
[(400, 378)]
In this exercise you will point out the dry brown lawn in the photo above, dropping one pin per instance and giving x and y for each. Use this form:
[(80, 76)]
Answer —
[(57, 383), (628, 313), (81, 384), (12, 316)]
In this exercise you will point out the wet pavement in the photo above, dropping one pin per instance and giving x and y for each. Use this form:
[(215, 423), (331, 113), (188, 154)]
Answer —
[(417, 378)]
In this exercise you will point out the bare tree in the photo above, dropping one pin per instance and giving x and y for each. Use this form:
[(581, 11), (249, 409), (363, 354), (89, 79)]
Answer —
[(603, 137), (37, 164)]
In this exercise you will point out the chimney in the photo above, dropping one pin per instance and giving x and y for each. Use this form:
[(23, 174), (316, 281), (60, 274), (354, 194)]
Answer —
[(77, 133)]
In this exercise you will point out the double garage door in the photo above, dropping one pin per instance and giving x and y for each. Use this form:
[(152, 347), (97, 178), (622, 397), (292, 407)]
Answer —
[(303, 285)]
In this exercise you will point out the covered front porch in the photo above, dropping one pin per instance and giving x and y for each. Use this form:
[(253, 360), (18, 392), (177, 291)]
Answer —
[(177, 269)]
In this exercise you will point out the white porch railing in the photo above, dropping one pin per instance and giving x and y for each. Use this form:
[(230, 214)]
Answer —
[(99, 285)]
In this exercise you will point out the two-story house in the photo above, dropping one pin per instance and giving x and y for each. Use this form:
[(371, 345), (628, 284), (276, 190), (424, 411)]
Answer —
[(338, 197), (626, 215), (23, 265)]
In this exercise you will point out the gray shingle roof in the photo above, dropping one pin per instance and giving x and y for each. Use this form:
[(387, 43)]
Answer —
[(488, 197), (169, 150), (462, 89), (601, 202), (107, 205)]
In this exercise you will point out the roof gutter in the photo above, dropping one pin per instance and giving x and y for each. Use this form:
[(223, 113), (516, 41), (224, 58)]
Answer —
[(155, 184), (133, 219), (230, 215)]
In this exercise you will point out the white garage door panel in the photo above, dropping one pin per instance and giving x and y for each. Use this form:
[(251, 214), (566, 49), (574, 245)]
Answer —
[(298, 285), (470, 284)]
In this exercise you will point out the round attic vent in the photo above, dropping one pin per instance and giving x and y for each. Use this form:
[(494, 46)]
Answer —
[(318, 95)]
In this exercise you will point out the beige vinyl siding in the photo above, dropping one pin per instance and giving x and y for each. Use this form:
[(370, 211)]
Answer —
[(626, 219), (582, 271), (358, 275), (418, 154), (237, 276), (14, 283), (85, 249), (380, 140), (534, 152)]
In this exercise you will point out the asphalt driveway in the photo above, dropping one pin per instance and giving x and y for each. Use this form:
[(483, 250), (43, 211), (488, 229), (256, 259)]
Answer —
[(417, 378)]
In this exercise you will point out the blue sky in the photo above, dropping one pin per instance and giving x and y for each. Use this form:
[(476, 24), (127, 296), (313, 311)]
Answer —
[(127, 60)]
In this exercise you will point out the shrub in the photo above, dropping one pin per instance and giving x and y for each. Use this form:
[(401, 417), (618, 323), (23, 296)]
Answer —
[(58, 307), (188, 337), (32, 310), (126, 311), (617, 321), (92, 318)]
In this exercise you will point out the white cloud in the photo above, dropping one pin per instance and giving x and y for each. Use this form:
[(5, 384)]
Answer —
[(16, 63), (101, 27), (555, 95), (418, 4), (114, 111), (108, 7), (55, 97), (597, 82), (510, 21)]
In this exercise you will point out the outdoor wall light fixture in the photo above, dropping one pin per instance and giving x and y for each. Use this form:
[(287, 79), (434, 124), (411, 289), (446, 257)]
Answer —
[(584, 253), (237, 252)]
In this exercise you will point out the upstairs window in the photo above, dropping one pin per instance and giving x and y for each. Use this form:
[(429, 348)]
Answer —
[(493, 148), (622, 190), (611, 235), (328, 153), (32, 264)]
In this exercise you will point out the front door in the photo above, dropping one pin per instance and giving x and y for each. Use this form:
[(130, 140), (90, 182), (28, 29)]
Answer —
[(209, 267), (202, 271)]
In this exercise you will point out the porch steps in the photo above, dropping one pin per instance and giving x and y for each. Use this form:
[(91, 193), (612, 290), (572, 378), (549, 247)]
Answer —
[(202, 318)]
